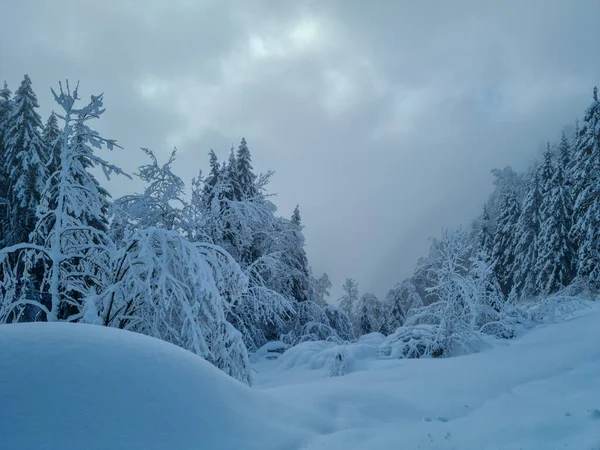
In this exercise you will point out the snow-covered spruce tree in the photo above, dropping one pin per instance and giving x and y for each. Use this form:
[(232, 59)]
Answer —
[(526, 233), (505, 180), (159, 206), (349, 298), (485, 234), (564, 158), (399, 303), (51, 138), (555, 252), (268, 248), (586, 178), (291, 247), (504, 240), (5, 109), (25, 160), (245, 175), (75, 255), (168, 288), (213, 176), (340, 322), (368, 314)]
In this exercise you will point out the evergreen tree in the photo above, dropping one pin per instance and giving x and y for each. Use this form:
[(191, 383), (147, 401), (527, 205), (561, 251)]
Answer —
[(527, 231), (564, 157), (368, 314), (213, 176), (504, 240), (296, 259), (296, 219), (586, 216), (229, 178), (5, 110), (350, 297), (25, 160), (554, 247), (75, 256), (50, 138), (245, 176), (485, 235)]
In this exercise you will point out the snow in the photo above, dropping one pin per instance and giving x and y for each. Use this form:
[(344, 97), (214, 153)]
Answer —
[(539, 391), (73, 386)]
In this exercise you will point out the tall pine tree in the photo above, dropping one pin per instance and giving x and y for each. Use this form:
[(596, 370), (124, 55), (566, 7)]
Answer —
[(5, 109), (586, 223), (245, 175), (25, 161), (50, 138), (504, 240), (555, 252)]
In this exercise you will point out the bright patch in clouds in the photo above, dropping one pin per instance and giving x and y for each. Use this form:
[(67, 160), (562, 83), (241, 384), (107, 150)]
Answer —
[(152, 87)]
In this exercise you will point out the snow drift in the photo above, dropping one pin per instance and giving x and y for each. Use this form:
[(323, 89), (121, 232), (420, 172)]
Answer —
[(73, 386)]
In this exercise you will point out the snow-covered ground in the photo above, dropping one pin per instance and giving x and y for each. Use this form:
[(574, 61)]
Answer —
[(66, 386)]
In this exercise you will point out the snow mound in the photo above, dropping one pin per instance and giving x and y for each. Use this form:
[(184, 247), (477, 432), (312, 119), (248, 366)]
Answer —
[(270, 351), (319, 355), (74, 386)]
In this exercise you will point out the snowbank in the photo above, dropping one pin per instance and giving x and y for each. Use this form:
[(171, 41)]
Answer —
[(74, 386)]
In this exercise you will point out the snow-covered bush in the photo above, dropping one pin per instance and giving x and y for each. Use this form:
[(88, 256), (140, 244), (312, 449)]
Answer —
[(551, 309), (310, 322), (321, 355), (338, 365), (413, 342), (340, 322), (165, 288)]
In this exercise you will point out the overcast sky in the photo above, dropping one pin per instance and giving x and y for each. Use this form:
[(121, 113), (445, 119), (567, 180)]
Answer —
[(382, 119)]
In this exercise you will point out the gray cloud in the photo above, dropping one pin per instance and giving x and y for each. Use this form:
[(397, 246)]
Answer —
[(382, 119)]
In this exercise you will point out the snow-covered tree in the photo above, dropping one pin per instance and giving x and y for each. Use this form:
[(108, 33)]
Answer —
[(453, 312), (526, 233), (586, 178), (555, 252), (159, 206), (25, 160), (485, 234), (75, 255), (504, 240), (368, 314), (564, 157), (505, 180), (321, 288), (349, 298), (164, 287), (310, 322), (291, 248), (340, 322), (51, 137), (245, 176), (5, 110), (399, 304)]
